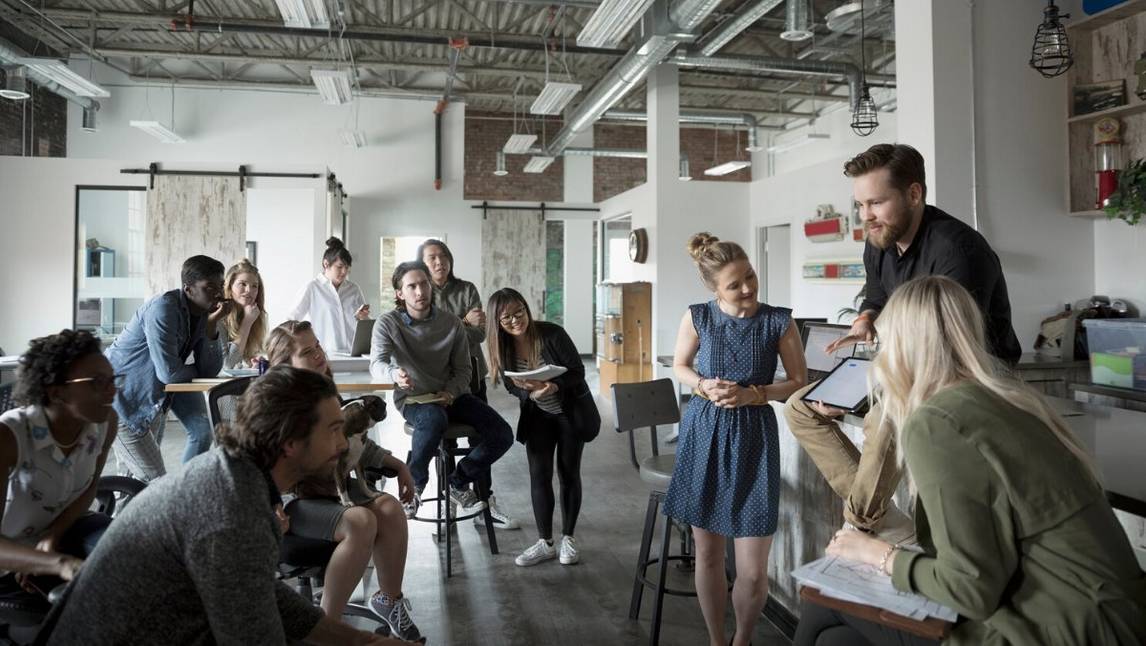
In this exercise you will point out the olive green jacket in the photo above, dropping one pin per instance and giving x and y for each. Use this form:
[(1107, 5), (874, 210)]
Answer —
[(1017, 537), (458, 297)]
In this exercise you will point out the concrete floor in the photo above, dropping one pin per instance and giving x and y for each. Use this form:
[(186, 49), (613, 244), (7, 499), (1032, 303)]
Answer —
[(492, 602)]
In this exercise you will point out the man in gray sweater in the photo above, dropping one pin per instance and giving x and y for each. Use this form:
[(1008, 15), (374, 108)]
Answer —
[(193, 559), (424, 351)]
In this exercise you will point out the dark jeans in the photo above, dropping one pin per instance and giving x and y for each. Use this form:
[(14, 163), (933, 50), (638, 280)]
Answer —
[(430, 422), (79, 541), (820, 626), (559, 437), (478, 388)]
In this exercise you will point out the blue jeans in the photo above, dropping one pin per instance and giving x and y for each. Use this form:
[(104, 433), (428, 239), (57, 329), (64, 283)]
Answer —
[(191, 409), (430, 422)]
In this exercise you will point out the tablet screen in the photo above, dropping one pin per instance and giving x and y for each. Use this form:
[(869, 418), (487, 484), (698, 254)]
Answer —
[(845, 386), (818, 339)]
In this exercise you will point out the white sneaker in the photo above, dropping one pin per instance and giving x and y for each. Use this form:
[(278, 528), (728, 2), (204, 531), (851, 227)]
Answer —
[(501, 520), (568, 551), (542, 550), (411, 508)]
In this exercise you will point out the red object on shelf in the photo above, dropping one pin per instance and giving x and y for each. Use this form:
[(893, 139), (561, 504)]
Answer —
[(826, 229), (858, 234)]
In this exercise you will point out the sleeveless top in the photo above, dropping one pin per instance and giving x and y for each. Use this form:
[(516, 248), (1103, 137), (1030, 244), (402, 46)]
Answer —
[(44, 481)]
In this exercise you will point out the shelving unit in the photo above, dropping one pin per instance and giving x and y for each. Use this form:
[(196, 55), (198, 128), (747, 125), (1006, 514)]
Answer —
[(1105, 45)]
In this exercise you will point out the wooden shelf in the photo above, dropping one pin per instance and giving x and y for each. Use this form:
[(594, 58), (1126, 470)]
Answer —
[(1120, 111), (1089, 215), (1111, 15)]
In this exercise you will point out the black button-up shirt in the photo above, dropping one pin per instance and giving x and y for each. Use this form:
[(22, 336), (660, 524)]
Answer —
[(945, 246)]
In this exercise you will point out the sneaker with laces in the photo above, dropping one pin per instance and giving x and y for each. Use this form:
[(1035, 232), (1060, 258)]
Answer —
[(568, 551), (542, 550), (466, 500), (501, 520), (411, 508), (395, 613)]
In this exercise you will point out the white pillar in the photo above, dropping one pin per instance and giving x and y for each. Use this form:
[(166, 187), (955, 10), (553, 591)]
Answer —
[(579, 171), (579, 283)]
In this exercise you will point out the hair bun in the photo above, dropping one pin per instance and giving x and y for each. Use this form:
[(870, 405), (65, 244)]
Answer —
[(334, 243), (699, 243)]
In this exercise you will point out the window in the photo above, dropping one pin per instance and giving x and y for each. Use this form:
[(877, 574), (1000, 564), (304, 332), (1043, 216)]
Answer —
[(615, 248), (110, 274)]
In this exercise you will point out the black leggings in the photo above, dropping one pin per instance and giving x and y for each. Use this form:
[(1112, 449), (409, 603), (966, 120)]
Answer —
[(820, 626), (555, 432)]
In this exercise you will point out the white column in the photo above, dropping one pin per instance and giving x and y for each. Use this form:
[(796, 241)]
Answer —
[(579, 283), (579, 171)]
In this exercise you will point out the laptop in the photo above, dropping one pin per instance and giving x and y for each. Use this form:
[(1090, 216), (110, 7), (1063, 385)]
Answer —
[(361, 344), (817, 336)]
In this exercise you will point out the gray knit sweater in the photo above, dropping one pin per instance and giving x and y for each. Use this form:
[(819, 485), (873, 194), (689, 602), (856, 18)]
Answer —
[(434, 351), (192, 560)]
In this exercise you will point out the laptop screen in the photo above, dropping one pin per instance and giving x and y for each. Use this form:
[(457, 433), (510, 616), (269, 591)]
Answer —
[(818, 337)]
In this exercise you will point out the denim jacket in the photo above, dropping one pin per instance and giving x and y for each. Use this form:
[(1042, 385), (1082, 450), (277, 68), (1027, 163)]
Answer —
[(152, 351)]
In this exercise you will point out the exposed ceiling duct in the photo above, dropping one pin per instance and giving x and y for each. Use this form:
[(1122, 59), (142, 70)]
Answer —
[(731, 28), (848, 71), (745, 121), (11, 54), (631, 69), (797, 26)]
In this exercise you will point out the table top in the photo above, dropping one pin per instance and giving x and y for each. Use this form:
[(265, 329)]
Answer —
[(347, 382)]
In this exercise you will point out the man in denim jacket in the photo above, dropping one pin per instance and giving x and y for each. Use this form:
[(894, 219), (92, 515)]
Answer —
[(153, 351)]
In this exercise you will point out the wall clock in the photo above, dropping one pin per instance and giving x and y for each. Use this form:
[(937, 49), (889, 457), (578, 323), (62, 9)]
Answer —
[(638, 245)]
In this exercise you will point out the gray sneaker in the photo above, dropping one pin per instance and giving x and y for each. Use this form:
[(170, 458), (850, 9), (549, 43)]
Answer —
[(466, 500), (396, 615), (542, 550)]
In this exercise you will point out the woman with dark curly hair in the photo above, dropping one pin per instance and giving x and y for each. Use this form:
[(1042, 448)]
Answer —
[(52, 451)]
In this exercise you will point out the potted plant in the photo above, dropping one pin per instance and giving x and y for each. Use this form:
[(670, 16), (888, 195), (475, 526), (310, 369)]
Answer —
[(1128, 201)]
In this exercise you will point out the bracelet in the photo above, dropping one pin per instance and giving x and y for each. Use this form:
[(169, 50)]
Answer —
[(891, 549), (760, 394)]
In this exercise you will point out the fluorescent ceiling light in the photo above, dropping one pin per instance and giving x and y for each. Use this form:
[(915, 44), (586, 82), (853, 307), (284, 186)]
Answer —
[(159, 131), (728, 167), (519, 144), (554, 97), (538, 164), (353, 138), (304, 14), (798, 141), (333, 86), (58, 72), (611, 21)]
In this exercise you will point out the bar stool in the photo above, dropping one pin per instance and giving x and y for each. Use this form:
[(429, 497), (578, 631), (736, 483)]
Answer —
[(639, 405), (445, 520)]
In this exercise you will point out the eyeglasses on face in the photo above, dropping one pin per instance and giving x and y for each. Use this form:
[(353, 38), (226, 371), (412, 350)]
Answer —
[(513, 317), (100, 382)]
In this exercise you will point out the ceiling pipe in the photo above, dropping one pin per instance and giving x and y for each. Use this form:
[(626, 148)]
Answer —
[(746, 121), (686, 15), (720, 36), (11, 54), (758, 64)]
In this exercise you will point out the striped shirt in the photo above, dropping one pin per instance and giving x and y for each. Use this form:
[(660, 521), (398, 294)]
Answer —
[(550, 403)]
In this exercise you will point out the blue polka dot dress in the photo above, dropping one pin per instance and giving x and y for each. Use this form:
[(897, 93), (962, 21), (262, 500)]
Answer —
[(727, 474)]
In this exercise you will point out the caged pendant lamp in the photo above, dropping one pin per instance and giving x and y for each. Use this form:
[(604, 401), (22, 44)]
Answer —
[(865, 118), (1051, 55)]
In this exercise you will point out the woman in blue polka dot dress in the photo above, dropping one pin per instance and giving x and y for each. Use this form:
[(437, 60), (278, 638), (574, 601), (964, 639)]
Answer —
[(727, 477)]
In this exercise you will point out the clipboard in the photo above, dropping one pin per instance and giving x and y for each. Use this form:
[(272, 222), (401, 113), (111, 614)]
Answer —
[(930, 628)]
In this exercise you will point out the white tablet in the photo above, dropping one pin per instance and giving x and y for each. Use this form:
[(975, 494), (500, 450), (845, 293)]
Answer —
[(845, 387)]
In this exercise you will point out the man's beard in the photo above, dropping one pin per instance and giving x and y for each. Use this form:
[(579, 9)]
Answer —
[(892, 231)]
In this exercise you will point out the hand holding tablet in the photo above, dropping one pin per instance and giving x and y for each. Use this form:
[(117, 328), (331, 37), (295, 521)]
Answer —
[(845, 387)]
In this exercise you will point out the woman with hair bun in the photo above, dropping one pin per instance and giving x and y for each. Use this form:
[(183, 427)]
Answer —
[(332, 302), (726, 483)]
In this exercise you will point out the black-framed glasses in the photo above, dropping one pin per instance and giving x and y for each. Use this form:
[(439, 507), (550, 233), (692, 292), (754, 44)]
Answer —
[(101, 382), (510, 319)]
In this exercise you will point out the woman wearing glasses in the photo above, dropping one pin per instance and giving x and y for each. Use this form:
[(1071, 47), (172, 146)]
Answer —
[(557, 416), (52, 451)]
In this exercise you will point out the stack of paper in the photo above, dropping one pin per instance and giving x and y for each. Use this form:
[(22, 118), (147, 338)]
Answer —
[(544, 373), (862, 583)]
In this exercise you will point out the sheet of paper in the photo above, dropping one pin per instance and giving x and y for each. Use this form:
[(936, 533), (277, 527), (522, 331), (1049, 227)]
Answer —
[(544, 373), (861, 583), (428, 398)]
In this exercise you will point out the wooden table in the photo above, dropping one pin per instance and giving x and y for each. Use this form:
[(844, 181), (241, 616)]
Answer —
[(203, 385)]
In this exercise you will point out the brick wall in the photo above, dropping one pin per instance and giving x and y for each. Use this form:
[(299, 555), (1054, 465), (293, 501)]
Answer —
[(486, 133), (37, 126), (705, 147)]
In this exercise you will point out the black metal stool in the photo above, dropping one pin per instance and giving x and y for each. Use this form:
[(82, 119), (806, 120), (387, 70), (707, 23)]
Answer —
[(445, 520), (639, 405)]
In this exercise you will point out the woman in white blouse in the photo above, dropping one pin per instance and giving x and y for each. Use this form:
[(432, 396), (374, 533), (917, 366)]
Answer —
[(52, 452), (332, 302)]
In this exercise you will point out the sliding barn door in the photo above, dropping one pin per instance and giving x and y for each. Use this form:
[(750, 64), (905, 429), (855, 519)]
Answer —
[(513, 255)]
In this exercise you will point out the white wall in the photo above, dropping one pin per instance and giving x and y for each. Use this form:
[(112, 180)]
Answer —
[(1120, 262), (280, 221), (390, 182), (578, 254), (37, 217), (843, 142)]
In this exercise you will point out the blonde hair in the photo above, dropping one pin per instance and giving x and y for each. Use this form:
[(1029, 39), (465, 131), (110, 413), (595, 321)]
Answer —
[(932, 336), (234, 319), (711, 254), (281, 343)]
